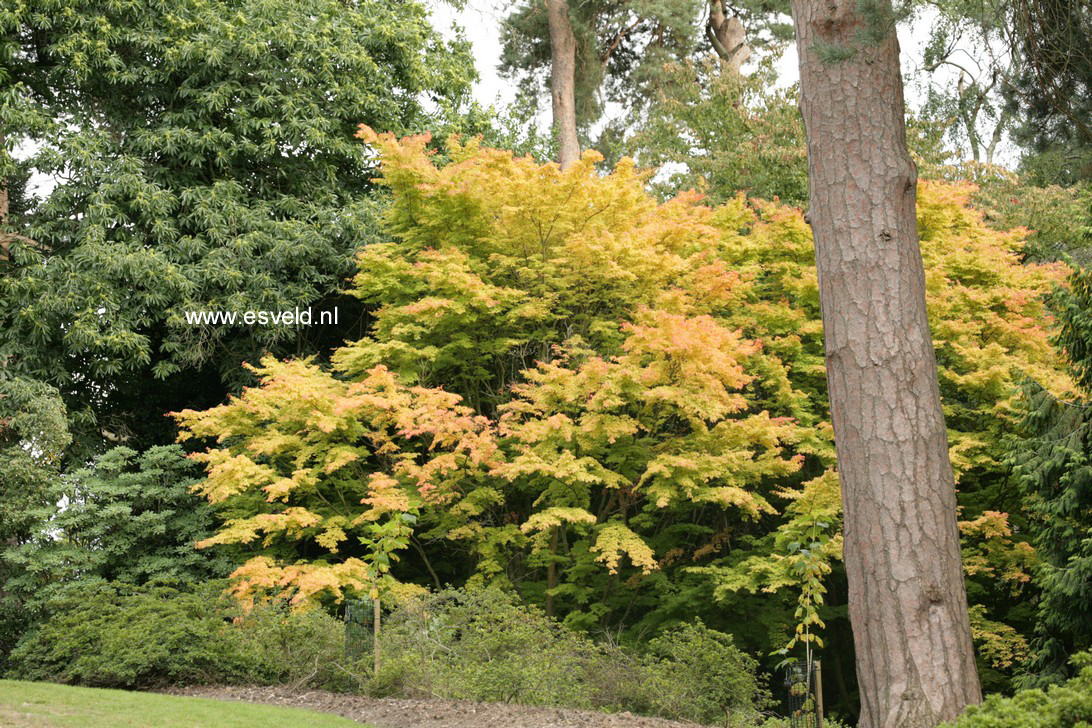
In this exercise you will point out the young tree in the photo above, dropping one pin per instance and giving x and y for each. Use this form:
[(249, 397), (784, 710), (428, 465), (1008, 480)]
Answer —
[(907, 600)]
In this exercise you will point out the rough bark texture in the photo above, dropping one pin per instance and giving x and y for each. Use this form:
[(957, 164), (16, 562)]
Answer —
[(563, 81), (727, 36), (907, 601)]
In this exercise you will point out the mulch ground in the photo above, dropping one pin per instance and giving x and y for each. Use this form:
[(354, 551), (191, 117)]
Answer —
[(402, 713)]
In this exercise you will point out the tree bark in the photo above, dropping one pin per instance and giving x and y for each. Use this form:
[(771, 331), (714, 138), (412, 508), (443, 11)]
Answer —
[(907, 601), (563, 81), (5, 238), (727, 36)]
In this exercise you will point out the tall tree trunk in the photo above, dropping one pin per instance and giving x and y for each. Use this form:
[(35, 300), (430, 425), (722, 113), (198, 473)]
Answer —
[(907, 601), (563, 81)]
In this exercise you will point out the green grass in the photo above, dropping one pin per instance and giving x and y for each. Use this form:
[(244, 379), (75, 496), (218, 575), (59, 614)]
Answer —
[(45, 705)]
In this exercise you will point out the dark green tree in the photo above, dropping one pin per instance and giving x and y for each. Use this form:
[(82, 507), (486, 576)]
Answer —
[(33, 436), (1054, 465), (129, 518), (203, 159), (1053, 89)]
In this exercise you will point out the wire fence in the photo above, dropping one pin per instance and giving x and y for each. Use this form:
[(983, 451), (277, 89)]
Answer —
[(802, 688), (358, 628)]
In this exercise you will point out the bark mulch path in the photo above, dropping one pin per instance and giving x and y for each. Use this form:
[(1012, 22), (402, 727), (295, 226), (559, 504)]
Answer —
[(429, 713)]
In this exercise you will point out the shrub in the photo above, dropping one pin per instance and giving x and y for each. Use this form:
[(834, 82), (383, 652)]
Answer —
[(483, 645), (115, 635), (1068, 705), (293, 647), (109, 635), (486, 645), (697, 673)]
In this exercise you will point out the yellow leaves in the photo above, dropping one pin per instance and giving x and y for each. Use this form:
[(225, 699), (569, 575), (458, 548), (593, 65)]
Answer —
[(999, 644), (616, 540), (551, 517), (229, 475), (691, 363), (544, 521), (331, 536), (291, 522), (260, 578), (750, 503), (488, 202), (283, 488), (339, 457), (385, 495), (342, 459), (989, 548)]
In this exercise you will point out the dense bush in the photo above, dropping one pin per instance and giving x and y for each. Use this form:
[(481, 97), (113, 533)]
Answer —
[(1068, 705), (111, 635), (483, 645), (486, 645), (108, 635), (697, 673)]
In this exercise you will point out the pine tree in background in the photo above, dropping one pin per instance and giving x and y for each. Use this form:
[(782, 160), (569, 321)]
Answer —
[(1054, 464), (1053, 90)]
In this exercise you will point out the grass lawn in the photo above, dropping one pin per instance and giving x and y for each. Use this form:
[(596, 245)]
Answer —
[(34, 705)]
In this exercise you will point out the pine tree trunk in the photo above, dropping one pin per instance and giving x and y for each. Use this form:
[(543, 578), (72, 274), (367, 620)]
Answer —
[(907, 601), (563, 81)]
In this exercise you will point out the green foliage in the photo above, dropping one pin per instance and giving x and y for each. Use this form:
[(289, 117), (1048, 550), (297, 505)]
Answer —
[(1059, 219), (114, 635), (483, 645), (283, 646), (1054, 469), (698, 105), (1054, 86), (205, 160), (1068, 705), (33, 436), (697, 673), (627, 52), (128, 518), (486, 645)]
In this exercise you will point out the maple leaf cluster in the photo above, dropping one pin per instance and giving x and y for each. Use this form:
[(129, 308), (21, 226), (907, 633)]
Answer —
[(564, 374)]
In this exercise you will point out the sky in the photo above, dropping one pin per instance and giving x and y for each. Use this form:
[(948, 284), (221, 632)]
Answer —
[(481, 21)]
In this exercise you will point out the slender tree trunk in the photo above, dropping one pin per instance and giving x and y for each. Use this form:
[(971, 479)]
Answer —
[(551, 572), (563, 81), (907, 602), (5, 239)]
